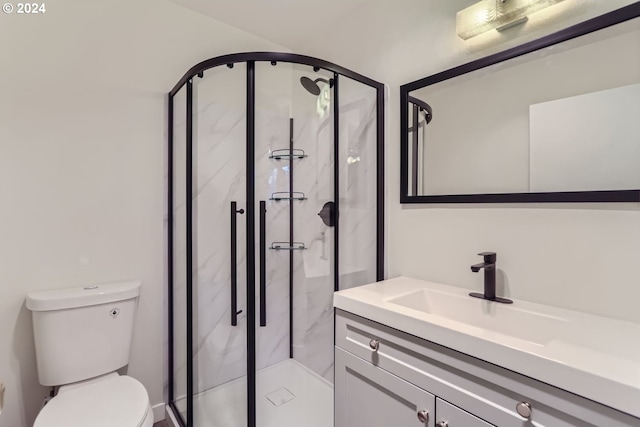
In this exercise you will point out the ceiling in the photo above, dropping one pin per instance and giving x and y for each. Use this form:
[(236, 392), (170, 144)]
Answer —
[(290, 23)]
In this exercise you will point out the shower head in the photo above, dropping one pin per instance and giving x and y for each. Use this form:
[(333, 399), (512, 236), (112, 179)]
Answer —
[(312, 85)]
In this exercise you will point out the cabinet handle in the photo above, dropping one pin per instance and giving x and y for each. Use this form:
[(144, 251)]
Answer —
[(374, 344), (442, 424), (524, 409), (423, 416)]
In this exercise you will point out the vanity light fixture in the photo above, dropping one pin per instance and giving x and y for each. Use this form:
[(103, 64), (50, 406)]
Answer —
[(488, 15)]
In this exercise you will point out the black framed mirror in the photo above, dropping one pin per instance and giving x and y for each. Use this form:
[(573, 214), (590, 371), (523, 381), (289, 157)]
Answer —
[(553, 120)]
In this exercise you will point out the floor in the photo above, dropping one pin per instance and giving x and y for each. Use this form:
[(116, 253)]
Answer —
[(286, 393), (161, 424)]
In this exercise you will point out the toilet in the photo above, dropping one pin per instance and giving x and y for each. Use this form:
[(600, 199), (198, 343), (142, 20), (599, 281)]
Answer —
[(82, 337)]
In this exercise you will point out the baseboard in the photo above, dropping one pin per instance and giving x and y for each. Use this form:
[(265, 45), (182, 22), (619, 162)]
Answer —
[(158, 412), (170, 418)]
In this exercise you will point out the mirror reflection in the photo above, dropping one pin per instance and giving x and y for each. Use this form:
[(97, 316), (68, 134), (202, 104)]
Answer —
[(564, 118)]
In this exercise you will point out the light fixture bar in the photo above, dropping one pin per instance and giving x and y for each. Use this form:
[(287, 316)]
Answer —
[(489, 15)]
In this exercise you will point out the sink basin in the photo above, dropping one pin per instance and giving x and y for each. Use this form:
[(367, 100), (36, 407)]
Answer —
[(490, 317)]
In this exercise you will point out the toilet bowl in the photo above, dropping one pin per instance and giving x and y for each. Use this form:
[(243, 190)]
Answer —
[(107, 401)]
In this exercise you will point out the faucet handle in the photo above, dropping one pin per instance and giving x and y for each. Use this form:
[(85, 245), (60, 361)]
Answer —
[(489, 257)]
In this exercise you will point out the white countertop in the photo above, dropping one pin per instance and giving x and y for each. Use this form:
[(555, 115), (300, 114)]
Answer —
[(592, 356)]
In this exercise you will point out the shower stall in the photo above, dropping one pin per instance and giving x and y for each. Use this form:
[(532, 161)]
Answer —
[(275, 201)]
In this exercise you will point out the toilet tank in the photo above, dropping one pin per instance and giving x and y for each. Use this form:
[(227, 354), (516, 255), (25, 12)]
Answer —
[(83, 332)]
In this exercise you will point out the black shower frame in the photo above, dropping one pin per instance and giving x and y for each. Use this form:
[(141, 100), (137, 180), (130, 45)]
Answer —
[(250, 58), (612, 18)]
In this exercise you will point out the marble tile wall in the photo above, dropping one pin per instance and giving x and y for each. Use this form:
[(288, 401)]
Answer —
[(272, 133), (313, 268), (313, 277), (220, 349), (219, 352), (358, 191)]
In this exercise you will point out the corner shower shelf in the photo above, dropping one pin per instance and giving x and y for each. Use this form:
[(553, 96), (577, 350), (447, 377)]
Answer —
[(285, 195), (286, 246), (286, 153)]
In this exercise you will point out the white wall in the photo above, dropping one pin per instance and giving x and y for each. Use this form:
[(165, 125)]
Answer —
[(577, 256), (82, 137)]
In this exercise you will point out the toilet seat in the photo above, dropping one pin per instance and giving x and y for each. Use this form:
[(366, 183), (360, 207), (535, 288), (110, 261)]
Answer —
[(108, 401)]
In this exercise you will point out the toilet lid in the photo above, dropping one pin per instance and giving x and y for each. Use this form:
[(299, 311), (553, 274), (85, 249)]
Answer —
[(116, 401)]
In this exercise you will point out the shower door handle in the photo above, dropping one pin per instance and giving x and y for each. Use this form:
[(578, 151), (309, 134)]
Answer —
[(263, 263), (234, 265)]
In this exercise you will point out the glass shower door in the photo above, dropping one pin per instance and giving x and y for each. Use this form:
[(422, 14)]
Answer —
[(178, 244), (219, 253), (358, 222)]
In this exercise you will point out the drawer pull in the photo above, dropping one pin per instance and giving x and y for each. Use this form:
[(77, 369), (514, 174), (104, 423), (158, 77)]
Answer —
[(374, 344), (524, 409), (423, 416), (442, 424)]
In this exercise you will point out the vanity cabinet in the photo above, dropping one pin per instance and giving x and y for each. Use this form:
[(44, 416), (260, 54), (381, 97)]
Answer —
[(372, 397), (452, 416), (385, 377)]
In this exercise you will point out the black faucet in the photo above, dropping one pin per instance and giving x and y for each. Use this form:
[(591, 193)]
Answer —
[(489, 266)]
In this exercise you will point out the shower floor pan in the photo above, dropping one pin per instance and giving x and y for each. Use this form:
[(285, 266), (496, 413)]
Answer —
[(287, 395)]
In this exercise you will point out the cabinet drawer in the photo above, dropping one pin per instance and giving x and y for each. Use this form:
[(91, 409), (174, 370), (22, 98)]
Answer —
[(367, 396), (448, 415), (488, 391)]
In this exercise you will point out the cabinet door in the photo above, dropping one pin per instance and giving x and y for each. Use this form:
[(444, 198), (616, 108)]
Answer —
[(367, 396), (448, 415)]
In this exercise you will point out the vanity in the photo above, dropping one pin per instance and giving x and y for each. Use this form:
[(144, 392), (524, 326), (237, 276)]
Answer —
[(412, 352), (553, 120)]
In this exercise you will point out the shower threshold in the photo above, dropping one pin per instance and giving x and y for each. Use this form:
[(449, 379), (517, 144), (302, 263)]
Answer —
[(287, 395)]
